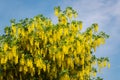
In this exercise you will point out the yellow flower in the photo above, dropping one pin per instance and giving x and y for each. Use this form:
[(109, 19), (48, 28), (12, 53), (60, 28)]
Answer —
[(53, 57), (4, 67), (31, 41), (96, 27), (94, 74), (32, 27), (72, 39), (32, 70), (51, 40), (63, 20), (13, 29), (14, 50), (22, 32), (22, 62), (56, 12), (5, 47), (19, 31), (77, 60), (16, 59), (108, 65), (20, 68), (25, 69), (29, 29), (65, 49), (58, 56), (29, 63), (10, 56), (2, 60), (90, 32), (104, 63), (82, 61), (37, 44), (65, 31), (62, 57), (44, 67), (70, 15), (75, 15), (80, 25), (48, 68), (102, 40)]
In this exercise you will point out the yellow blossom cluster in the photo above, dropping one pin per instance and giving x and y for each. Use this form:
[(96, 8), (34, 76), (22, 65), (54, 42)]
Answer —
[(37, 49)]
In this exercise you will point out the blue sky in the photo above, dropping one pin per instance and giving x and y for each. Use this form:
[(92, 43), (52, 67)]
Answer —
[(104, 12)]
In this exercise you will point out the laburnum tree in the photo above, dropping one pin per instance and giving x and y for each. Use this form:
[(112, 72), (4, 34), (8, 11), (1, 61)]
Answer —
[(37, 49)]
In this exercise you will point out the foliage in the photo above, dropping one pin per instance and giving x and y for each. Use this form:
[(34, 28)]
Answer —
[(37, 49)]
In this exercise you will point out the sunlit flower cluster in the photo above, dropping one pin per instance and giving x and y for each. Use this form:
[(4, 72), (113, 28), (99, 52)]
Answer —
[(37, 49)]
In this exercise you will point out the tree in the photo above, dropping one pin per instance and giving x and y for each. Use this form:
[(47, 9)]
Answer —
[(37, 49)]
